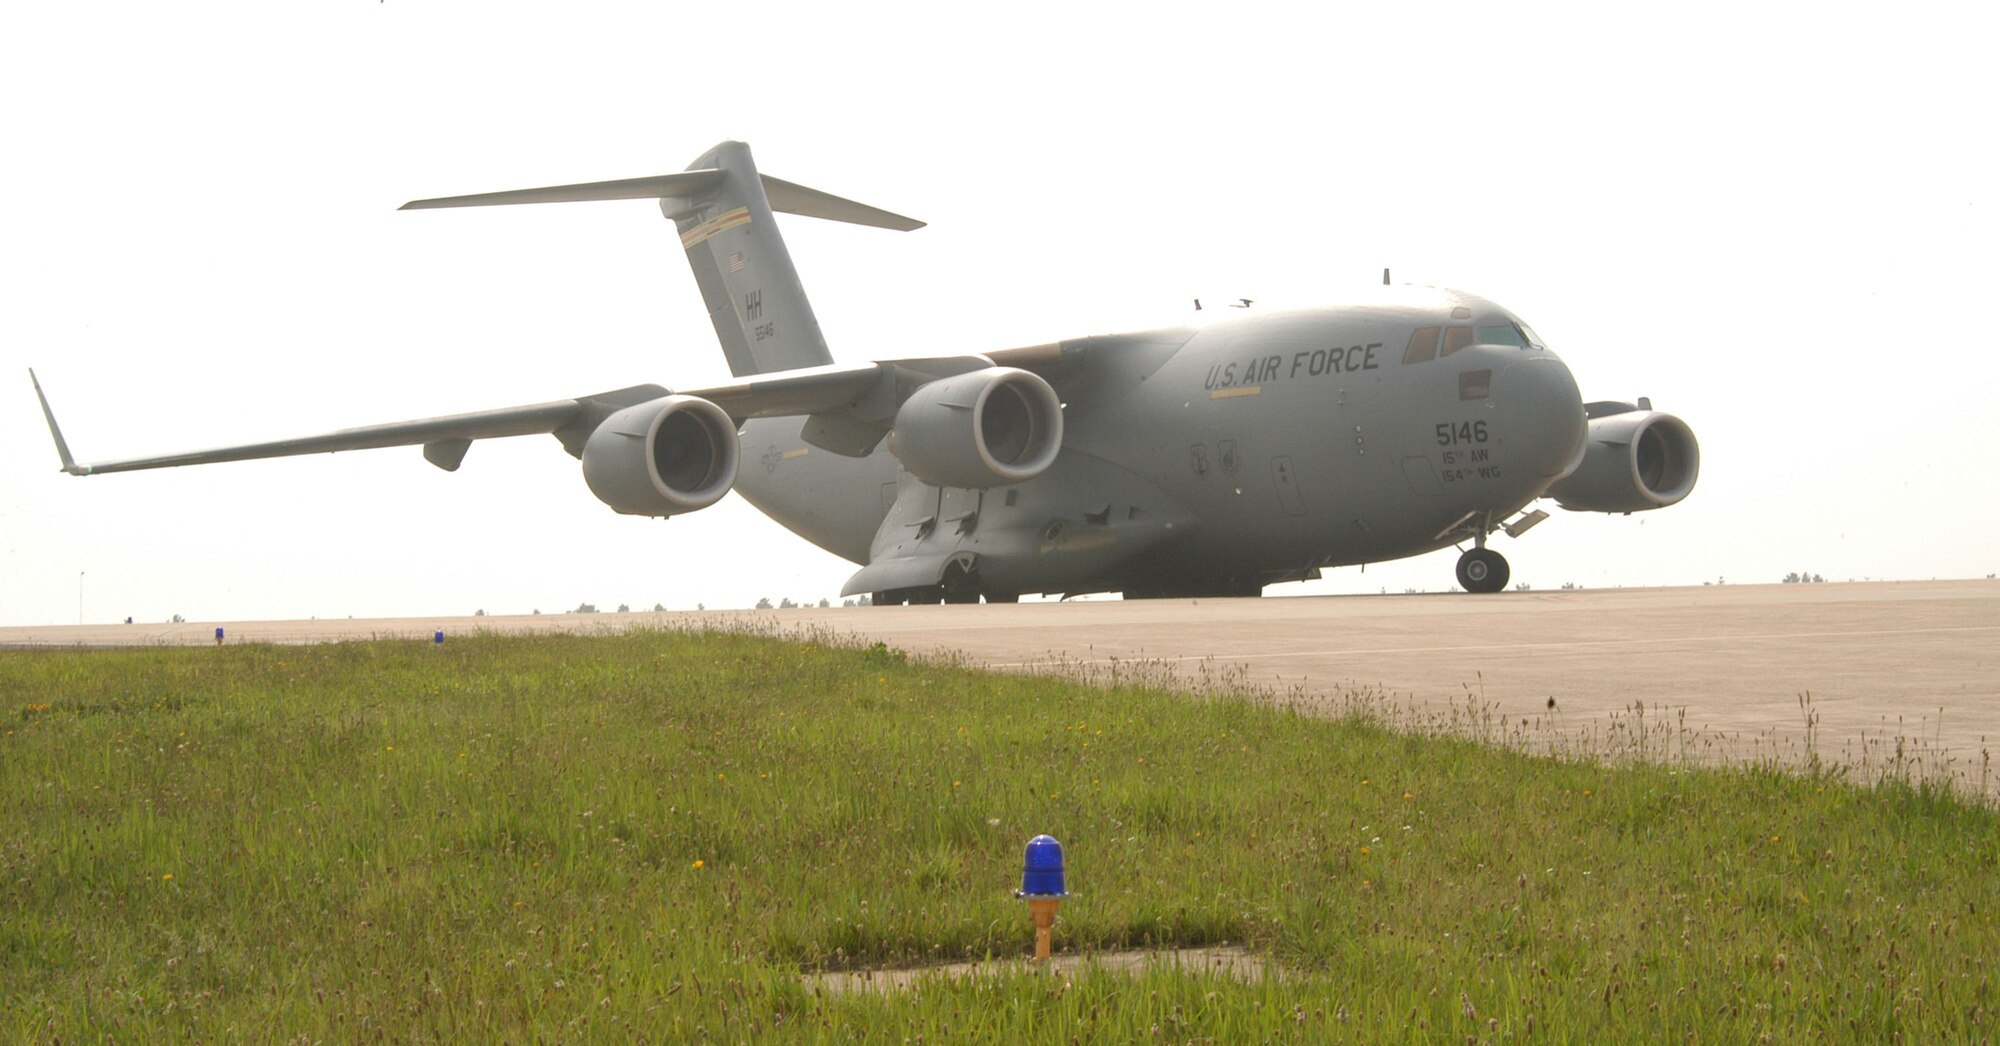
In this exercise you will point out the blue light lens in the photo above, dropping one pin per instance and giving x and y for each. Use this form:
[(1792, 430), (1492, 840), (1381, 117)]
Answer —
[(1042, 868)]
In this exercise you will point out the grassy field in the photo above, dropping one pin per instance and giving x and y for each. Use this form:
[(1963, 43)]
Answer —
[(656, 836)]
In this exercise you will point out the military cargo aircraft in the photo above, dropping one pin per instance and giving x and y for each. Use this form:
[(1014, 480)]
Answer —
[(1210, 460)]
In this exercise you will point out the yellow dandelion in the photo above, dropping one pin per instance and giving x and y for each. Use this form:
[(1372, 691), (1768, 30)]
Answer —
[(167, 877), (389, 748), (1407, 795), (1364, 780), (955, 784), (1364, 851), (699, 863)]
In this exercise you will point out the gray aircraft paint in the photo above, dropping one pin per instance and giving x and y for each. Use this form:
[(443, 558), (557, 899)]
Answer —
[(1211, 460), (1120, 513)]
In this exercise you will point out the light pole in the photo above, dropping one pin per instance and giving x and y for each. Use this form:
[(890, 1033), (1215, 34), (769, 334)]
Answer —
[(79, 597)]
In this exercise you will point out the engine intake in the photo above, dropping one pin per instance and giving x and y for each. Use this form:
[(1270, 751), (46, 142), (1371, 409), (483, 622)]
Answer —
[(983, 428), (1632, 461), (665, 456)]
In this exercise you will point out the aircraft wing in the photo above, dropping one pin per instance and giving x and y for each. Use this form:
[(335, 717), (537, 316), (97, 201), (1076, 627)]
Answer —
[(871, 391), (444, 439), (1101, 367)]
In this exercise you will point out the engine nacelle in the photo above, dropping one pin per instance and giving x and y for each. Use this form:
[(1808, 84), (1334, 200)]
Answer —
[(673, 454), (1633, 461), (983, 428)]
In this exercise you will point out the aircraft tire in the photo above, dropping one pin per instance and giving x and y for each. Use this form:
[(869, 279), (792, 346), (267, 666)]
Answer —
[(1482, 570), (960, 585)]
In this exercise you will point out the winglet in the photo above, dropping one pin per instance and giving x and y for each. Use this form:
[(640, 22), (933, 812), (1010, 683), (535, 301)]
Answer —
[(69, 464)]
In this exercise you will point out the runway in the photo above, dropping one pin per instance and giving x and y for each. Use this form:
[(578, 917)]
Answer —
[(1915, 664)]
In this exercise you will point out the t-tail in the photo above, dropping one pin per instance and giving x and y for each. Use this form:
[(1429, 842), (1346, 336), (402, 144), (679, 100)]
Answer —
[(722, 208)]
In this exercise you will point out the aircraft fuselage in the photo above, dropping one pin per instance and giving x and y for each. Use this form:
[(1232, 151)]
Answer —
[(1253, 450)]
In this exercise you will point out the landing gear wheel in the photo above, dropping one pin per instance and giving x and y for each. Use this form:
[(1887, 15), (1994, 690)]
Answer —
[(960, 585), (1482, 570)]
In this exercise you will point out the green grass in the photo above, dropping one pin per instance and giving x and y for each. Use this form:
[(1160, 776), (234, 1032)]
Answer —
[(652, 836)]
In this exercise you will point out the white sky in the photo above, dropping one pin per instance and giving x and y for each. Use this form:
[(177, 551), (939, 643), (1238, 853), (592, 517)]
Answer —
[(1779, 225)]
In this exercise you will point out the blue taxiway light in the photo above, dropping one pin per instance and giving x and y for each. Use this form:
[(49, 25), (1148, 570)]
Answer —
[(1042, 868)]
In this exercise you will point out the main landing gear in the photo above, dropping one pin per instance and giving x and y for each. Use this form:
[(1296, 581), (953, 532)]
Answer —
[(961, 584), (1482, 570), (929, 594)]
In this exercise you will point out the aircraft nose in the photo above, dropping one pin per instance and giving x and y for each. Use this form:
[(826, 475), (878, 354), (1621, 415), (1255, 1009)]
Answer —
[(1546, 426)]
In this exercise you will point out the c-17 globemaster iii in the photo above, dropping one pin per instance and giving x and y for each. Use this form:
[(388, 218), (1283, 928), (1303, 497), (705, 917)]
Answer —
[(1198, 461)]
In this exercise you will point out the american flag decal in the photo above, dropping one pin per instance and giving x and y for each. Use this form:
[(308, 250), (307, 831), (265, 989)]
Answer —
[(736, 262)]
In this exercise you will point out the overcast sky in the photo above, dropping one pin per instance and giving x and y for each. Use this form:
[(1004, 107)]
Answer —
[(1778, 225)]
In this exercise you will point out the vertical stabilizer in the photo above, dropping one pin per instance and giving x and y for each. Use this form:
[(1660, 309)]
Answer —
[(753, 293), (722, 208)]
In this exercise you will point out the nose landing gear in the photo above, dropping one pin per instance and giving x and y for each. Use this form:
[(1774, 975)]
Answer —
[(1482, 570)]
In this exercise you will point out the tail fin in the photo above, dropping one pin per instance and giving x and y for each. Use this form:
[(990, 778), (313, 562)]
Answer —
[(722, 208)]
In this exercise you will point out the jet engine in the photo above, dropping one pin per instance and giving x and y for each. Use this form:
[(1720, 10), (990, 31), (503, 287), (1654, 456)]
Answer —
[(1633, 461), (673, 454), (983, 428)]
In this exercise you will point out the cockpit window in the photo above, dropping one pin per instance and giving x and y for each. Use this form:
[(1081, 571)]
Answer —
[(1423, 345), (1533, 338), (1456, 338), (1502, 334)]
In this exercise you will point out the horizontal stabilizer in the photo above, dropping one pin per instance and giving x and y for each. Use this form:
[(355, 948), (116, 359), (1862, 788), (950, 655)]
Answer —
[(786, 197), (791, 198), (686, 183)]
